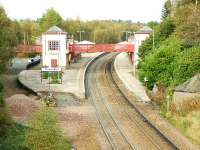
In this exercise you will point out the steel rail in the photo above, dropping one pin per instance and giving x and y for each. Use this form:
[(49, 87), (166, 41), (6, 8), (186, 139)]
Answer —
[(97, 92), (141, 114), (109, 68), (110, 80)]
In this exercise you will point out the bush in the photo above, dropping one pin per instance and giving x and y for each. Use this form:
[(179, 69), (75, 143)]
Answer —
[(187, 65), (161, 32), (2, 102), (4, 121), (158, 66), (44, 133), (1, 87), (14, 137)]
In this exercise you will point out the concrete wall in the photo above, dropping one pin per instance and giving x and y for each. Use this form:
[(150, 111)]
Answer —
[(60, 55)]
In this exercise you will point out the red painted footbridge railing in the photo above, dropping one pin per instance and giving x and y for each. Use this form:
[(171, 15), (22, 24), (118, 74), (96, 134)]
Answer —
[(29, 49), (81, 48), (92, 48)]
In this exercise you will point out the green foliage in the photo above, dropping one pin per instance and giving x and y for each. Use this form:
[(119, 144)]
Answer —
[(45, 75), (4, 116), (187, 65), (2, 102), (49, 19), (159, 65), (161, 32), (29, 31), (108, 31), (26, 31), (4, 121), (166, 9), (55, 77), (44, 133), (166, 28), (14, 137), (186, 2), (7, 40), (187, 24), (1, 87)]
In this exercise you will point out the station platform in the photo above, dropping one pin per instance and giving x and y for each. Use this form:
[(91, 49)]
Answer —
[(73, 78), (124, 70)]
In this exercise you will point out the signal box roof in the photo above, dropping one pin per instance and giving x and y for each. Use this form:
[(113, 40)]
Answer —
[(55, 30)]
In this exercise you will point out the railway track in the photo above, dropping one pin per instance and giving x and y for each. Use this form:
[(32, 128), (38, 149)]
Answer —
[(122, 125)]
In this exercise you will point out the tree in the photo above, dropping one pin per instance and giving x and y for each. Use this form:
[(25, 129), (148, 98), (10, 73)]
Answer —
[(158, 66), (187, 20), (187, 65), (7, 40), (166, 9), (186, 2), (49, 19), (29, 31), (161, 32), (44, 132)]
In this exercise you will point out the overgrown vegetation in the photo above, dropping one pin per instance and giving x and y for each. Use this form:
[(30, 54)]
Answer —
[(176, 55), (54, 77), (5, 121), (14, 137), (8, 39), (174, 59), (44, 132)]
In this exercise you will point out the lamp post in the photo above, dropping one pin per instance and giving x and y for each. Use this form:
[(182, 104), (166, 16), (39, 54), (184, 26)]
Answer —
[(80, 32)]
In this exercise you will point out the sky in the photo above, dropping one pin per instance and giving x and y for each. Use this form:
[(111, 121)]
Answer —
[(135, 10)]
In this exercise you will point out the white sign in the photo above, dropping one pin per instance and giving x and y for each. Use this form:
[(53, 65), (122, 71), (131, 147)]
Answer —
[(57, 69)]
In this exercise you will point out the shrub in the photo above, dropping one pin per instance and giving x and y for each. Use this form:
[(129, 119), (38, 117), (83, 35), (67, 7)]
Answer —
[(2, 102), (187, 65), (161, 32), (4, 121), (1, 87), (44, 133), (158, 66)]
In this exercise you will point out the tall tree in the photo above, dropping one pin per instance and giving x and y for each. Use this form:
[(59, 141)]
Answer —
[(49, 19), (166, 9), (7, 39), (187, 20), (29, 31)]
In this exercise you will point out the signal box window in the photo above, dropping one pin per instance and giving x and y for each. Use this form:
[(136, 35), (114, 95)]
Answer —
[(53, 45)]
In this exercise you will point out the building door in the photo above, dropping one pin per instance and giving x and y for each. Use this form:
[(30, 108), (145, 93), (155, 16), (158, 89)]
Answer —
[(54, 63)]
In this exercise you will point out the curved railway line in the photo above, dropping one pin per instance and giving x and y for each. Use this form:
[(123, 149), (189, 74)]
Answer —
[(123, 126)]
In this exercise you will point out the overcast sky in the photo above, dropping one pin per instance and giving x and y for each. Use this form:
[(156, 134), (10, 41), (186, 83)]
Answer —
[(135, 10)]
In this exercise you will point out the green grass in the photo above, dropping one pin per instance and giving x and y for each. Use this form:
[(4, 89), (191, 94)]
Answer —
[(14, 137), (55, 77), (189, 125)]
